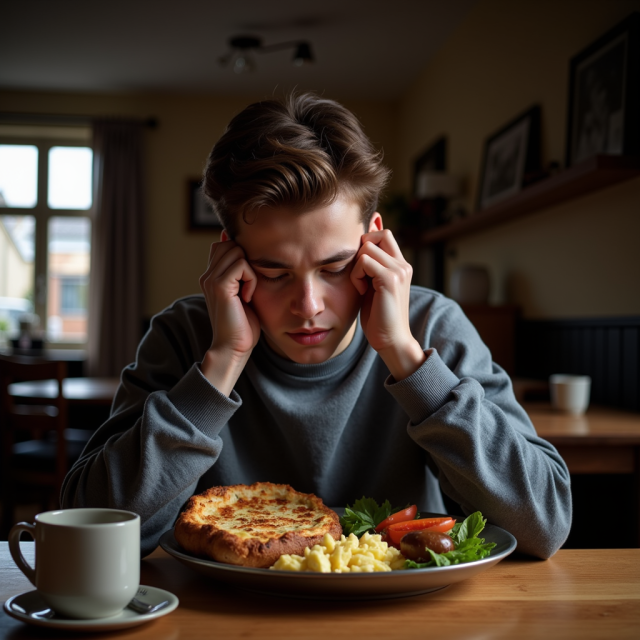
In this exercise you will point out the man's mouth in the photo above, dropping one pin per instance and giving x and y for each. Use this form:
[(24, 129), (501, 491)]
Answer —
[(309, 337)]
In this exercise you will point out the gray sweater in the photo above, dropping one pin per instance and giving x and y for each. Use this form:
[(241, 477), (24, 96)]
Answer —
[(341, 429)]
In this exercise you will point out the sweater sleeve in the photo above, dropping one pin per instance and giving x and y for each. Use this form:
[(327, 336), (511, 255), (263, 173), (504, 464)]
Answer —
[(162, 434), (480, 441)]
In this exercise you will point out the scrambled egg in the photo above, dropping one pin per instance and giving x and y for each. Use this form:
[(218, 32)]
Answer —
[(346, 555)]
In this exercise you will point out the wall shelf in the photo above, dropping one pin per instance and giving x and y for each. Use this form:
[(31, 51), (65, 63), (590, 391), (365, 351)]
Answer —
[(591, 175)]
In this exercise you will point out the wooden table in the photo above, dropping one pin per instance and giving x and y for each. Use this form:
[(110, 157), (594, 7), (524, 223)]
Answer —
[(602, 441), (97, 391), (74, 358), (65, 355), (578, 594)]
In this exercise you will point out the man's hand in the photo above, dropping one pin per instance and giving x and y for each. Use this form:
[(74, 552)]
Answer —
[(228, 285), (383, 277)]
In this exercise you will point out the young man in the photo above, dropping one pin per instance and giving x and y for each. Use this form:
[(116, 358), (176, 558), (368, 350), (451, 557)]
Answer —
[(312, 361)]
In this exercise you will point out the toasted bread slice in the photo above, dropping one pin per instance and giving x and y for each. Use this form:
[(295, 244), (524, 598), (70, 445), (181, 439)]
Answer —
[(253, 525)]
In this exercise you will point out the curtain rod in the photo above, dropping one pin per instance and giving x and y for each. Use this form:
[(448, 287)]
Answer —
[(62, 119)]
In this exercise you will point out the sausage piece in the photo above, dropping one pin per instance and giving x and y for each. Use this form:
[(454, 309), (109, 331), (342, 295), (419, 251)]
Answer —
[(413, 544)]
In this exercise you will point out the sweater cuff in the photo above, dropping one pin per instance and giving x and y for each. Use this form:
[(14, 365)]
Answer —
[(207, 408), (426, 390)]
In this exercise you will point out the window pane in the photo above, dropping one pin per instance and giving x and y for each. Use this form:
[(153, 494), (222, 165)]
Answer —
[(73, 295), (17, 251), (68, 278), (18, 175), (70, 177)]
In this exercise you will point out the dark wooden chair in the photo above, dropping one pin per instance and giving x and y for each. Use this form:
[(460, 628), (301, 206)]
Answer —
[(38, 448)]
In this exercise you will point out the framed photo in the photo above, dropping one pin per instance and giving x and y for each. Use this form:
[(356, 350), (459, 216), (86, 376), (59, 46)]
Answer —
[(200, 215), (433, 159), (510, 157), (604, 95)]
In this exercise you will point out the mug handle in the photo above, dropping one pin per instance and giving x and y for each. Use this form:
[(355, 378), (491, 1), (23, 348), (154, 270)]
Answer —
[(16, 553)]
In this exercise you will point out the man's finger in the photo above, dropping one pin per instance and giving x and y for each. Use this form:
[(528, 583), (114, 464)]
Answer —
[(238, 278), (385, 240), (378, 254), (249, 283), (219, 249), (225, 260), (216, 250), (365, 269)]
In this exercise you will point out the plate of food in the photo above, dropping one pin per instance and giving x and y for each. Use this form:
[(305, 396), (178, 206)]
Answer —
[(272, 539)]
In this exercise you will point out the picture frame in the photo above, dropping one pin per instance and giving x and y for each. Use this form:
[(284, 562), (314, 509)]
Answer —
[(604, 95), (511, 158), (200, 214), (433, 159)]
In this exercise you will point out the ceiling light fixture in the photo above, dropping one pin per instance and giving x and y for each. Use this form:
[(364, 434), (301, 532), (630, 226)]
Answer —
[(243, 47)]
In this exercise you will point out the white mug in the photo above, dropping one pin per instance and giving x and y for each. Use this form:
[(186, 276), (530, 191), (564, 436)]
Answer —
[(87, 560), (570, 393)]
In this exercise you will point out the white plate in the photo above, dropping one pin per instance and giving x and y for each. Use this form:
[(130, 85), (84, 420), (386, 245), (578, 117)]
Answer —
[(344, 586), (29, 607)]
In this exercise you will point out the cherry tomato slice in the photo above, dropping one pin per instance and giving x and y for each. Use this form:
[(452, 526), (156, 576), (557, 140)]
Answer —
[(385, 538), (400, 516), (396, 531)]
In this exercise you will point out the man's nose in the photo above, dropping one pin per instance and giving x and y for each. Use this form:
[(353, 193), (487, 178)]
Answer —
[(308, 300)]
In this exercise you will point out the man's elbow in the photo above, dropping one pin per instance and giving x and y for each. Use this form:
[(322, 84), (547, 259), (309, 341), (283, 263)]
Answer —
[(543, 539)]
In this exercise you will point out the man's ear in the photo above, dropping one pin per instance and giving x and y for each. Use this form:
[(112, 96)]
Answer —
[(376, 223), (224, 236)]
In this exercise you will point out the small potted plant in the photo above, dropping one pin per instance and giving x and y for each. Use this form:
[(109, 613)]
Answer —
[(4, 330)]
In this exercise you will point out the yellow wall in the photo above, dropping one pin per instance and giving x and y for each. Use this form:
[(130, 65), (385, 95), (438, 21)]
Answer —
[(174, 152), (16, 275), (577, 259)]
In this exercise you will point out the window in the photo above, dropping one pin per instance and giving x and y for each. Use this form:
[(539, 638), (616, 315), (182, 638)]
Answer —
[(45, 229), (73, 295)]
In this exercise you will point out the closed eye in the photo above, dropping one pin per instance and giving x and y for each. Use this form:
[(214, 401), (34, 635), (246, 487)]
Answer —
[(272, 279), (326, 272), (340, 272)]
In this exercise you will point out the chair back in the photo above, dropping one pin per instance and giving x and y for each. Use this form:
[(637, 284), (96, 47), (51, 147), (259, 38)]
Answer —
[(17, 414), (32, 428)]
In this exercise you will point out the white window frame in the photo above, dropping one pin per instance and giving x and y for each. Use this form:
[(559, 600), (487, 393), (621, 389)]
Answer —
[(44, 138)]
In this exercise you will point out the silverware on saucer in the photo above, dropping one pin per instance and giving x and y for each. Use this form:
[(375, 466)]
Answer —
[(136, 605), (42, 613), (144, 607)]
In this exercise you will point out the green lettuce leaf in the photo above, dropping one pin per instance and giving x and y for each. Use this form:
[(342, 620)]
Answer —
[(365, 515), (469, 546)]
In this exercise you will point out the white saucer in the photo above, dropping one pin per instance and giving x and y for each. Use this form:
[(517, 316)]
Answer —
[(28, 607)]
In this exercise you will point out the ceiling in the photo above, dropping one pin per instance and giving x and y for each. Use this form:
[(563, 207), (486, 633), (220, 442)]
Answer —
[(364, 49)]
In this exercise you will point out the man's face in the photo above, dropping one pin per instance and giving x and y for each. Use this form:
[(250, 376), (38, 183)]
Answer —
[(304, 298)]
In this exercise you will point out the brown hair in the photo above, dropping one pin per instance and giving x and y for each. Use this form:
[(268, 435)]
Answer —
[(301, 152)]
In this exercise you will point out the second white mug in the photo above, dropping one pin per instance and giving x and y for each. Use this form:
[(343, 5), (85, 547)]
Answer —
[(570, 393)]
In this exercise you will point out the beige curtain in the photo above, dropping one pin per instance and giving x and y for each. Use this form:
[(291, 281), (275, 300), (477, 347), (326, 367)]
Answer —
[(115, 298)]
